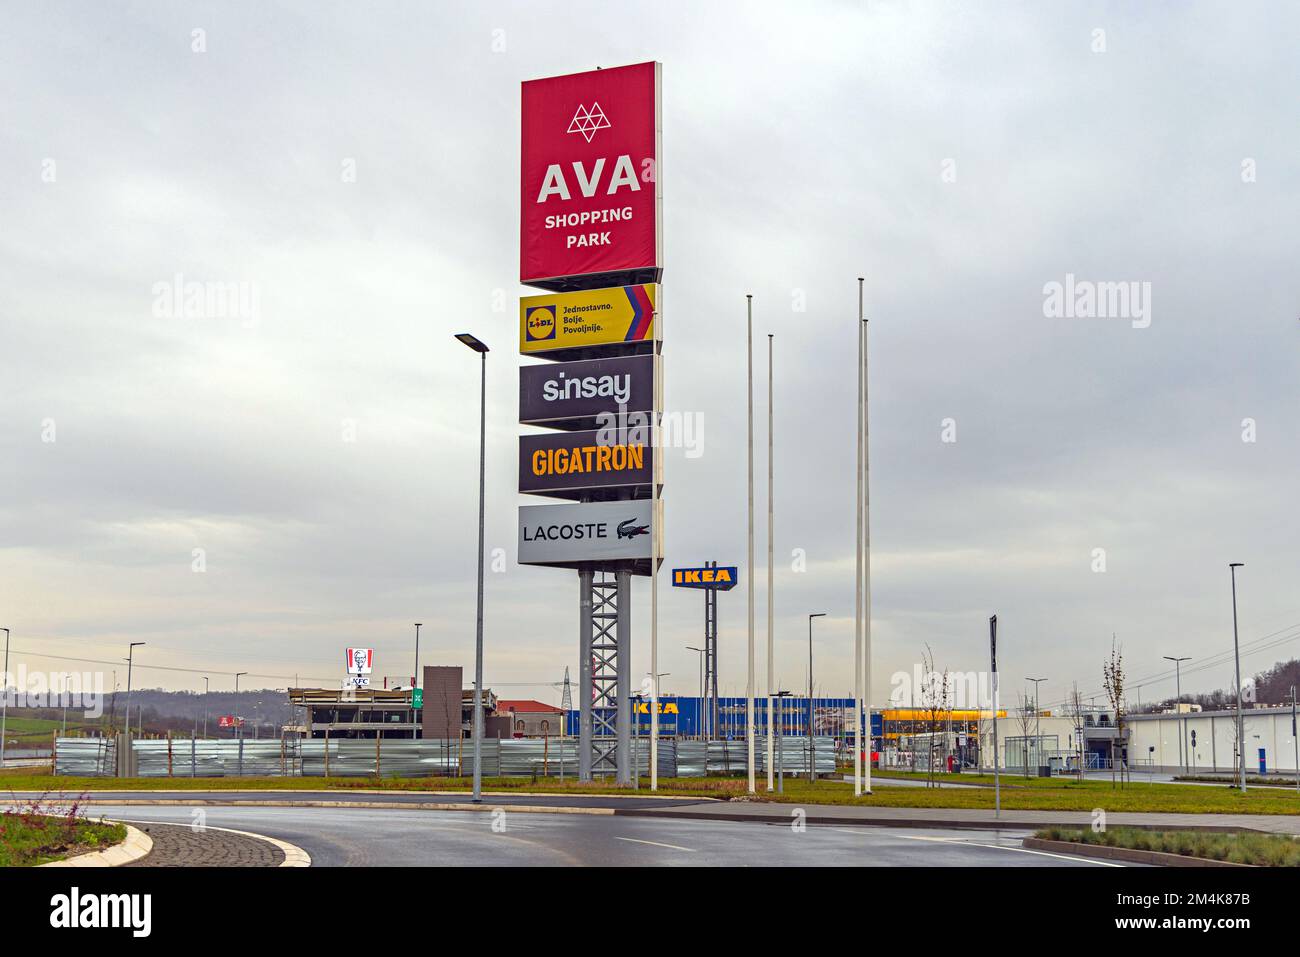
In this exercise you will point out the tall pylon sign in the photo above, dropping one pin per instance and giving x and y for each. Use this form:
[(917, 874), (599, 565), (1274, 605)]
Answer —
[(590, 237)]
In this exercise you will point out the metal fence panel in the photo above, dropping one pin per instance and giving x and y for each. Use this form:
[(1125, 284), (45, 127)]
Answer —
[(85, 757), (729, 757), (188, 757), (397, 758)]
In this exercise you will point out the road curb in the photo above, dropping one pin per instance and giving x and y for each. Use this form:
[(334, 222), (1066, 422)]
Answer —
[(1001, 824), (136, 846), (89, 794), (1127, 854), (366, 805)]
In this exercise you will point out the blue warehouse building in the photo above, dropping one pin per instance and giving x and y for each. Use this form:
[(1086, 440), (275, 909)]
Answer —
[(681, 716)]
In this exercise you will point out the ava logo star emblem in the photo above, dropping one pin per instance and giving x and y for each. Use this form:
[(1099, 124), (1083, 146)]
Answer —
[(588, 121)]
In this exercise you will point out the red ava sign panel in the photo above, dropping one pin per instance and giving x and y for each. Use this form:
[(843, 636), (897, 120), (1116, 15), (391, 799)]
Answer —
[(589, 169)]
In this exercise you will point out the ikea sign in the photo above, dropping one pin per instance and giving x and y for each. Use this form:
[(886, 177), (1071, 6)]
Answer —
[(721, 577)]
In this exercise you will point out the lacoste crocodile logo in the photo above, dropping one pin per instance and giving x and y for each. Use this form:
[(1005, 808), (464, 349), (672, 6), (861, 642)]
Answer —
[(630, 529)]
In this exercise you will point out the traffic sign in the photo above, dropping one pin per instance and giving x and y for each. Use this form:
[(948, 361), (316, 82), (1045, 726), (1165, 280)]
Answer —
[(417, 698)]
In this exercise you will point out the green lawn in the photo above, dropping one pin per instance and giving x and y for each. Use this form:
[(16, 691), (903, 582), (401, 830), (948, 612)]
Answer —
[(1265, 850), (1037, 794), (1006, 779), (28, 838), (39, 731)]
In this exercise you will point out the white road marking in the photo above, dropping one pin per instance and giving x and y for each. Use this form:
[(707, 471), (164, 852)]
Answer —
[(998, 847), (672, 847)]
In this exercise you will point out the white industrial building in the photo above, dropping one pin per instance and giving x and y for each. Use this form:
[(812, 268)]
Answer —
[(1269, 737)]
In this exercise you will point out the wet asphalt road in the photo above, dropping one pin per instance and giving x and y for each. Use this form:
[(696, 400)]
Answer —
[(361, 837)]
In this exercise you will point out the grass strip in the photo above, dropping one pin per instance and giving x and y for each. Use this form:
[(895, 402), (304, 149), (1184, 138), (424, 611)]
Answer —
[(1262, 850)]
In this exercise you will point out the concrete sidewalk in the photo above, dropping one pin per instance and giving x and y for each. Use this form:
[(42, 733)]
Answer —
[(835, 814)]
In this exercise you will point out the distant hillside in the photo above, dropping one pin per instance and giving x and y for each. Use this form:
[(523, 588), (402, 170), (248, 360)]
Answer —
[(1272, 687), (179, 712)]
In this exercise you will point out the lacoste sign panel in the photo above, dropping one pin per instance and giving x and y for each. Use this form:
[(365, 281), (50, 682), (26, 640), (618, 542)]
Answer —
[(557, 393), (589, 532), (589, 178)]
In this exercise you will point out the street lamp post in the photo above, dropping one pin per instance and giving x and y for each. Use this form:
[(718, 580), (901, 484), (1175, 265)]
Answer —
[(4, 691), (473, 343), (635, 763), (812, 748), (130, 654), (205, 706), (1295, 740), (4, 704), (1236, 652), (238, 721), (415, 681), (1038, 722), (656, 702), (780, 739), (1178, 709)]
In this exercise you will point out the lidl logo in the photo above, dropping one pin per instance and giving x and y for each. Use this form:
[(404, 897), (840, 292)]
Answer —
[(540, 323), (721, 577)]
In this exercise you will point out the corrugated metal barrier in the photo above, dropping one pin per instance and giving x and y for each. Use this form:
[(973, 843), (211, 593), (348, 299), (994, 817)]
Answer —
[(86, 757), (353, 757)]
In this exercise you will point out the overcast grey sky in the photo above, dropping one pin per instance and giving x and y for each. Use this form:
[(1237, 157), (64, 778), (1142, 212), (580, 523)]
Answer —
[(959, 156)]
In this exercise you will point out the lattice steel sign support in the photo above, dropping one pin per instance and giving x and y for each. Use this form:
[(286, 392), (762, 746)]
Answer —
[(605, 631)]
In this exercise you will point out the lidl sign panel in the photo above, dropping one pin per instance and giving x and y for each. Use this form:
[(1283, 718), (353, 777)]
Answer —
[(589, 178), (723, 577), (618, 319)]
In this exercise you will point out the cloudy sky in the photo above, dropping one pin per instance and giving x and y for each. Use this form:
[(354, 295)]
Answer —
[(355, 168)]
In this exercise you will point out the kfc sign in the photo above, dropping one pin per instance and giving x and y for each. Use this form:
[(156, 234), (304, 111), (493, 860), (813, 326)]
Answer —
[(590, 197), (360, 661)]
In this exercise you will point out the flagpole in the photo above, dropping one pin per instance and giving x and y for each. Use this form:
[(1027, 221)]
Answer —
[(857, 606), (770, 678), (749, 687), (866, 533)]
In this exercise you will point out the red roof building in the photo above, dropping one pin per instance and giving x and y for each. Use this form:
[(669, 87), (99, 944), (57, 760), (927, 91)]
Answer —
[(531, 719)]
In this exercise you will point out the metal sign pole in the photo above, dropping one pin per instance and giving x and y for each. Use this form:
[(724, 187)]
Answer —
[(993, 661)]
